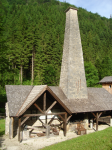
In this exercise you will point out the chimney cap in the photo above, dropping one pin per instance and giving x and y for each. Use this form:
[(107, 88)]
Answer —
[(70, 8)]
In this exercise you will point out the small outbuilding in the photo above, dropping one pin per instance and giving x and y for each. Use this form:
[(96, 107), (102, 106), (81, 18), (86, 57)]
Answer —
[(107, 83)]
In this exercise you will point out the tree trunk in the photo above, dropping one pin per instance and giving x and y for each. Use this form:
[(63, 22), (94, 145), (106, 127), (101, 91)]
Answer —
[(9, 62), (21, 74), (32, 76), (32, 69), (14, 74)]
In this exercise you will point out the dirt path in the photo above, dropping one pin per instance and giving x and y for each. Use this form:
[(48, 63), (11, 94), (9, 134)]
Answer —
[(39, 142)]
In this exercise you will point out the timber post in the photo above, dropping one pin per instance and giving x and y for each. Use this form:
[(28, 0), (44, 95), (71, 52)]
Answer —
[(19, 129), (97, 121), (97, 116), (44, 102), (65, 124), (44, 106)]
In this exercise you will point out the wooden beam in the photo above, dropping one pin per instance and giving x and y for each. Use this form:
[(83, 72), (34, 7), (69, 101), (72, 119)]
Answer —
[(61, 118), (97, 121), (61, 103), (51, 106), (51, 120), (94, 115), (19, 129), (31, 115), (24, 120), (46, 119), (100, 114), (31, 102), (44, 102), (69, 118), (39, 108), (42, 122), (65, 124)]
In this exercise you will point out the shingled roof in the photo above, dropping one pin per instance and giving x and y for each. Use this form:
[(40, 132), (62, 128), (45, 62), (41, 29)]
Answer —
[(99, 99), (20, 96), (107, 79), (16, 95)]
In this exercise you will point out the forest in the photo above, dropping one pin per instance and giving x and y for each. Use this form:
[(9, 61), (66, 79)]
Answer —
[(31, 43)]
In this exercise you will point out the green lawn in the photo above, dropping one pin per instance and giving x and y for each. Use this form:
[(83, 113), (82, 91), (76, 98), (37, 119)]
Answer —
[(100, 140), (2, 127)]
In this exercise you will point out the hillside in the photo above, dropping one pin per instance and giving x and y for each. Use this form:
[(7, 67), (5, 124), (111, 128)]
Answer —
[(31, 43)]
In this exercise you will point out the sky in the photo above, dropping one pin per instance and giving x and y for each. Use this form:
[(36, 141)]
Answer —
[(102, 7)]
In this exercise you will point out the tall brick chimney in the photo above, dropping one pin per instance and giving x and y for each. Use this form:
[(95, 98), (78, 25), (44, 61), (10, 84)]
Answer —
[(72, 77)]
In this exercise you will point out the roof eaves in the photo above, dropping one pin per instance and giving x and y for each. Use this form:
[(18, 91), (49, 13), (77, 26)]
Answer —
[(70, 8)]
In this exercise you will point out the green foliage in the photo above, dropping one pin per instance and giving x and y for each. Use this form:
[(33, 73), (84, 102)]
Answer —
[(91, 74), (95, 141), (49, 75), (2, 110), (38, 26), (106, 67)]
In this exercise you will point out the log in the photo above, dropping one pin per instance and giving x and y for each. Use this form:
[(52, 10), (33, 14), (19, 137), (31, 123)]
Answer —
[(31, 115), (51, 106), (44, 102), (19, 130), (97, 121), (39, 108)]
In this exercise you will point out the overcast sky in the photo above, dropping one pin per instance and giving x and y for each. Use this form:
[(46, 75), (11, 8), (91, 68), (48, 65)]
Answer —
[(102, 7)]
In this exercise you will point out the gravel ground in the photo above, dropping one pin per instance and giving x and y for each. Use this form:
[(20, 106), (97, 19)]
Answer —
[(39, 142)]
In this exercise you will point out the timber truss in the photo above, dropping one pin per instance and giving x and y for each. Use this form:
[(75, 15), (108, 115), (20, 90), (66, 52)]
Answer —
[(62, 116)]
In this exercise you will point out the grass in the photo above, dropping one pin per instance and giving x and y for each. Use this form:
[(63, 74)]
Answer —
[(2, 127), (100, 140)]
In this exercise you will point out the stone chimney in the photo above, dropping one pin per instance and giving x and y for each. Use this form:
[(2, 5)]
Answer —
[(72, 77)]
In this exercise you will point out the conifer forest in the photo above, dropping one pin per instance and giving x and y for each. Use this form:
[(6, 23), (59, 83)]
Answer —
[(31, 43)]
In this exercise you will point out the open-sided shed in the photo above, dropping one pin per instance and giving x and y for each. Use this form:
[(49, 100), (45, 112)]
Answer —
[(35, 101)]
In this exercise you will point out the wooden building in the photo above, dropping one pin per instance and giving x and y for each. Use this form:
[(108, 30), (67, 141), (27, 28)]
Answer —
[(107, 83)]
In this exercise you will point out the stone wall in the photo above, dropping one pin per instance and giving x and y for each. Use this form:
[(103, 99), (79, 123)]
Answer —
[(7, 120), (72, 78)]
